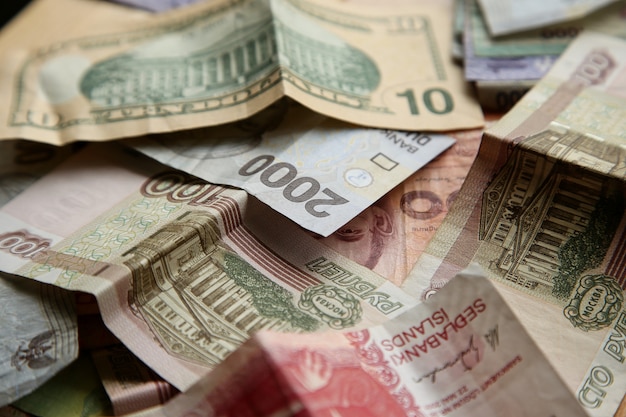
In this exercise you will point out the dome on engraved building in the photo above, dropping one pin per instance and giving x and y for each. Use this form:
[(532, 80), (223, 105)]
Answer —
[(212, 54)]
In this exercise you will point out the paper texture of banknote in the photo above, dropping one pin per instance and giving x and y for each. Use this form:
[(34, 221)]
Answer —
[(509, 16), (542, 211), (184, 271), (461, 354), (317, 171), (39, 335), (97, 71)]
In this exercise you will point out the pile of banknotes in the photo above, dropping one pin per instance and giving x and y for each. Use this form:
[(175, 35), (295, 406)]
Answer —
[(313, 208), (507, 46)]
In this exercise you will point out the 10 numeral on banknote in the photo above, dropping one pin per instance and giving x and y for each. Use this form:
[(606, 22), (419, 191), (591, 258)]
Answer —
[(436, 100)]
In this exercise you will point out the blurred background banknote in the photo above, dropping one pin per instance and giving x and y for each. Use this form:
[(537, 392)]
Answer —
[(501, 68), (98, 71), (508, 16), (462, 354), (75, 391), (504, 68), (185, 271), (543, 212), (317, 171)]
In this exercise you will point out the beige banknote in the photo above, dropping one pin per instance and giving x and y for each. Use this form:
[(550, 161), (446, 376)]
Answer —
[(542, 210), (462, 353), (509, 16), (184, 271), (98, 71), (317, 171), (389, 236)]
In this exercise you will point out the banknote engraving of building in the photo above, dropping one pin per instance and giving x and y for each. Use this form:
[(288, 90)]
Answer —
[(537, 208), (228, 65), (200, 299), (130, 80)]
